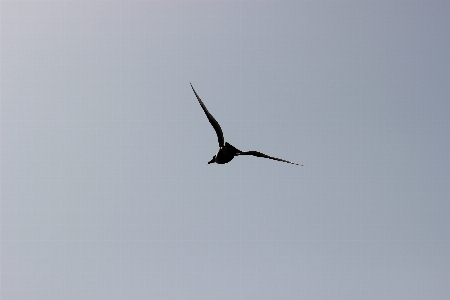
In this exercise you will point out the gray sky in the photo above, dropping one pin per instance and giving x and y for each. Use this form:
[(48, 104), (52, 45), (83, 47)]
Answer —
[(105, 188)]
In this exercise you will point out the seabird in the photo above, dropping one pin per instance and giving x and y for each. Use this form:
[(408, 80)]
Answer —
[(226, 151)]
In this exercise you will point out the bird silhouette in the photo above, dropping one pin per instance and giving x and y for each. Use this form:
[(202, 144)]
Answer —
[(226, 151)]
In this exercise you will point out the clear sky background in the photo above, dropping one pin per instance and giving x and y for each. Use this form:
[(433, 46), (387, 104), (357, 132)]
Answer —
[(105, 188)]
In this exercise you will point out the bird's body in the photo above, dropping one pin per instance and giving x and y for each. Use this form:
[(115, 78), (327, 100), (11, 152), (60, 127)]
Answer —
[(225, 154), (226, 151)]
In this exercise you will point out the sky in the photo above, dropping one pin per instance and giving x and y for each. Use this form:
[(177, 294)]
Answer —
[(105, 188)]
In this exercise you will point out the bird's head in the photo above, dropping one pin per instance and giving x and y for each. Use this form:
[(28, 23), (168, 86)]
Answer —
[(213, 160)]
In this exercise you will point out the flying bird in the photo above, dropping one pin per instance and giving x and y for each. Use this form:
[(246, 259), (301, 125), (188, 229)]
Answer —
[(226, 151)]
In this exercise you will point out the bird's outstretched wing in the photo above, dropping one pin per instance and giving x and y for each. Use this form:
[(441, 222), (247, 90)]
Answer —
[(259, 154), (211, 119)]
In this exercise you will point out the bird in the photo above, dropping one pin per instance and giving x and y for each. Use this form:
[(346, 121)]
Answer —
[(226, 151)]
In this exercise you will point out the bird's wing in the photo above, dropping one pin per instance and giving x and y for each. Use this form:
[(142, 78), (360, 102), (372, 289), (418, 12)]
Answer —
[(211, 119), (259, 154)]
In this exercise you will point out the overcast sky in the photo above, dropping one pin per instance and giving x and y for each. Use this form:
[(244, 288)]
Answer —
[(105, 188)]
